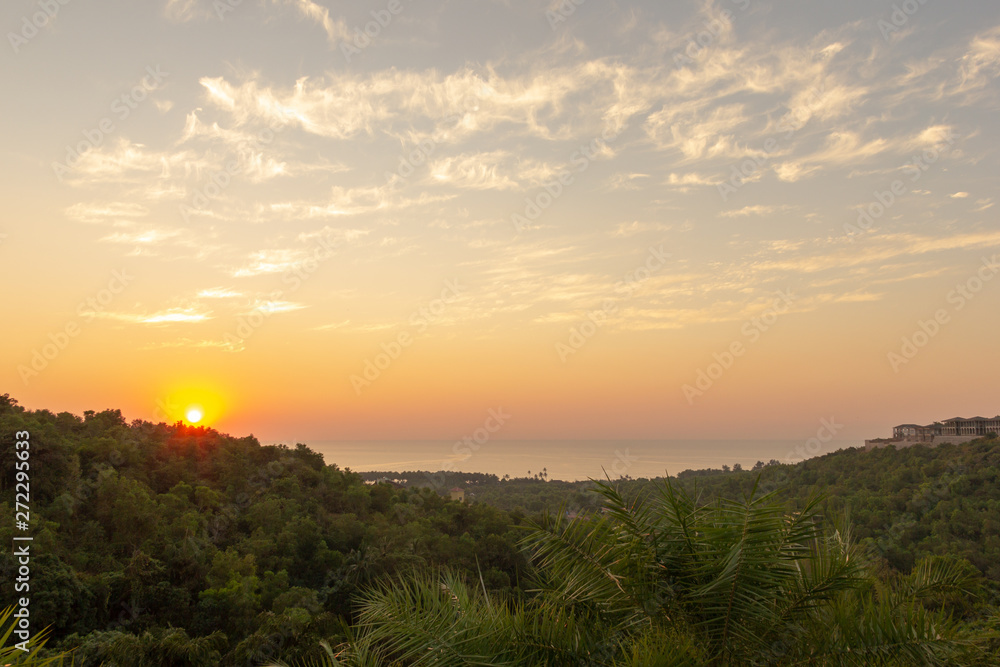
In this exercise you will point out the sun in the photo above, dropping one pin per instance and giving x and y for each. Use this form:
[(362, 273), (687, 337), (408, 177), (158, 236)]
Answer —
[(194, 414), (193, 402)]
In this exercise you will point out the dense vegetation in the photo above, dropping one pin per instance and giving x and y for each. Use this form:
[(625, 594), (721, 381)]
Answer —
[(665, 580), (905, 504), (164, 544), (171, 545)]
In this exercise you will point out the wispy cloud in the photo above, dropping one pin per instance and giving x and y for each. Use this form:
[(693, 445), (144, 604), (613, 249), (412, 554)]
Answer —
[(755, 210), (168, 316), (219, 293)]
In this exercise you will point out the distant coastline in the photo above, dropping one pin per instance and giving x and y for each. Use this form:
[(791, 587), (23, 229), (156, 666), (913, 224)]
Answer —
[(569, 460)]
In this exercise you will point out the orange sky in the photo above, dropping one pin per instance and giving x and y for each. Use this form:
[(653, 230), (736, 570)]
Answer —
[(512, 213)]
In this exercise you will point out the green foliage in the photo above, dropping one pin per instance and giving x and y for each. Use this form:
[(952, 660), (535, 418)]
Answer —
[(663, 580), (35, 656), (167, 544), (158, 542)]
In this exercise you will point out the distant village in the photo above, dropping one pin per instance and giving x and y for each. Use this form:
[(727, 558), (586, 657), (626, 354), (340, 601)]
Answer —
[(950, 431)]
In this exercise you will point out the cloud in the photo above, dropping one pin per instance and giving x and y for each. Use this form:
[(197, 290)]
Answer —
[(636, 227), (335, 29), (627, 181), (272, 260), (334, 236), (186, 10), (935, 135), (466, 102), (878, 249), (834, 104), (495, 170), (182, 11), (481, 171), (792, 172), (699, 134), (270, 307), (746, 211), (332, 326), (355, 201), (980, 66), (144, 237), (249, 148), (691, 178), (219, 293), (126, 162), (168, 316), (114, 212)]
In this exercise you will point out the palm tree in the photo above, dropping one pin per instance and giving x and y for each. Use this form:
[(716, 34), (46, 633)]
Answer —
[(12, 655), (166, 647), (663, 580)]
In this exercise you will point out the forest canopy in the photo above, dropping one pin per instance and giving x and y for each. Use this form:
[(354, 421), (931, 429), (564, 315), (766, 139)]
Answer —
[(166, 544)]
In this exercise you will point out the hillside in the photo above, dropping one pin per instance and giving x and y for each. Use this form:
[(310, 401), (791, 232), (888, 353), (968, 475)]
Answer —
[(160, 544), (152, 535), (907, 503)]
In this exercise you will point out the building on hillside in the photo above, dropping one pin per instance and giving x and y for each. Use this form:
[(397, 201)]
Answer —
[(954, 431), (977, 426), (917, 433), (458, 494)]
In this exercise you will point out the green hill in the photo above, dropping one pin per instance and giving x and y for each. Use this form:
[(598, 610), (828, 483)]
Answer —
[(159, 544)]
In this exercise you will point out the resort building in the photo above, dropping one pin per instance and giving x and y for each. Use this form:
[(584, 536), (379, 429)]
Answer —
[(978, 426), (954, 431)]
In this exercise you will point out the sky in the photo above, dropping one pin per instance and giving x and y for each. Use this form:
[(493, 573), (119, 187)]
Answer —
[(323, 220)]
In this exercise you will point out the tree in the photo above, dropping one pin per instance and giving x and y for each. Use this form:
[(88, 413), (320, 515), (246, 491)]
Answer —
[(662, 580)]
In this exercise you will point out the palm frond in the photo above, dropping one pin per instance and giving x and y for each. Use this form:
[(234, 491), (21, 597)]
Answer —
[(14, 656)]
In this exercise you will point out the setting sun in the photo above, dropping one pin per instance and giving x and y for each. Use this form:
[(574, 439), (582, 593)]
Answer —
[(192, 400)]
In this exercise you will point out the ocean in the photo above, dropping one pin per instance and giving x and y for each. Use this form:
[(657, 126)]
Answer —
[(566, 459)]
